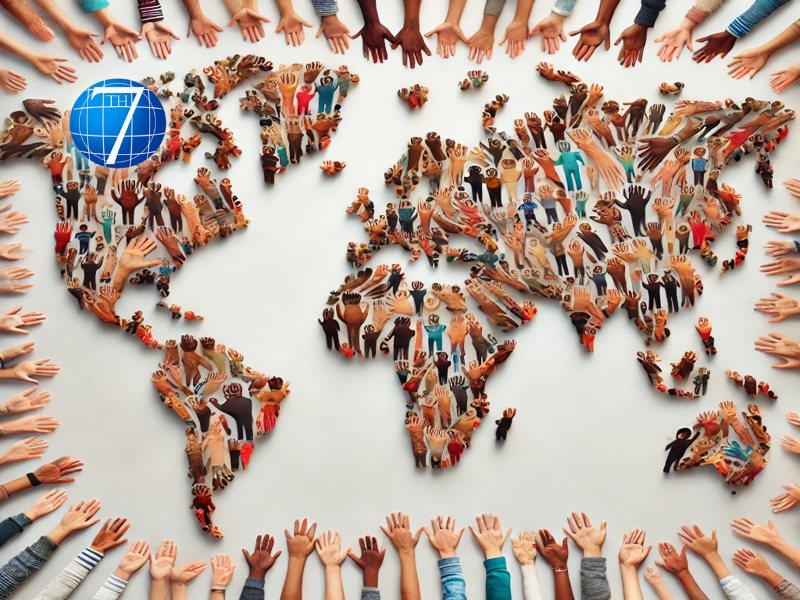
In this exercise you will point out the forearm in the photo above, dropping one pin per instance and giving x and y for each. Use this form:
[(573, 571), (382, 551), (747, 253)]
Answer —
[(594, 583), (233, 5), (562, 585), (498, 579), (690, 586), (334, 590), (58, 15), (16, 571), (409, 580), (293, 584), (285, 7), (701, 10), (71, 576), (159, 589), (177, 590), (787, 590), (217, 595), (760, 10), (784, 38), (113, 587), (193, 8), (717, 565), (253, 589), (649, 11), (369, 11), (606, 11), (454, 11), (789, 551), (453, 585), (662, 591), (524, 8), (488, 24), (13, 526), (631, 589), (734, 589), (411, 9), (531, 588), (15, 486), (493, 8)]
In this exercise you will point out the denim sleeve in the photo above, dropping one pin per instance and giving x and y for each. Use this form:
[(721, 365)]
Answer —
[(325, 8), (12, 526), (370, 593), (453, 585), (563, 7)]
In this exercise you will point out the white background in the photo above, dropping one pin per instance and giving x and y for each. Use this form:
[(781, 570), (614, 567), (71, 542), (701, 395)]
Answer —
[(590, 432)]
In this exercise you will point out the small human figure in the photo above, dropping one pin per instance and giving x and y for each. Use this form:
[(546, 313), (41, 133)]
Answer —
[(671, 290), (434, 329), (72, 195), (599, 278), (504, 424), (653, 287), (560, 254), (493, 187), (549, 202), (510, 175), (442, 365), (239, 407), (475, 180), (529, 207), (678, 447), (84, 236), (569, 160), (406, 214), (331, 328), (370, 338), (699, 165), (402, 334)]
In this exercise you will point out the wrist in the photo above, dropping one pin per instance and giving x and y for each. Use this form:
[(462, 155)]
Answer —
[(58, 535), (447, 553), (411, 22), (592, 552), (32, 514), (333, 569), (124, 575), (556, 16), (105, 17), (492, 553), (371, 578), (257, 574)]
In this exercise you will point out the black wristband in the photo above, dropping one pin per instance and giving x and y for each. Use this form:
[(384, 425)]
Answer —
[(33, 480)]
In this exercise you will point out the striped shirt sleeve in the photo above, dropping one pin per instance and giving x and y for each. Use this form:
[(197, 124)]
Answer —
[(71, 576), (111, 589)]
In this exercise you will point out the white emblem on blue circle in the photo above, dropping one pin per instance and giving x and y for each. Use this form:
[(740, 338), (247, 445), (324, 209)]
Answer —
[(117, 123)]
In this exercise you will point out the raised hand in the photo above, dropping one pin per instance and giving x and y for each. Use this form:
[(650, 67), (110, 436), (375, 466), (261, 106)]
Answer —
[(553, 552), (292, 25), (780, 305), (57, 471), (205, 30), (673, 562), (46, 504), (552, 30), (249, 21), (443, 536), (672, 43), (123, 38), (329, 549), (30, 399), (262, 559), (55, 68), (592, 35), (374, 36), (158, 35), (524, 548), (587, 537), (109, 535), (164, 560), (221, 571), (447, 38), (781, 346), (411, 44), (302, 543), (490, 535), (398, 530), (83, 41), (370, 560), (135, 558), (787, 500), (79, 516), (783, 78), (336, 32), (10, 221)]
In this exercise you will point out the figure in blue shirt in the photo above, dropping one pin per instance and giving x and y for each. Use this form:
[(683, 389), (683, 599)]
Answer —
[(699, 165), (569, 160)]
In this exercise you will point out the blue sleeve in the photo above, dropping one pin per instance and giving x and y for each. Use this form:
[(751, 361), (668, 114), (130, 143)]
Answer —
[(370, 593), (253, 589), (12, 526), (735, 589), (758, 11), (498, 579), (325, 8), (453, 585), (563, 7), (648, 13), (90, 6)]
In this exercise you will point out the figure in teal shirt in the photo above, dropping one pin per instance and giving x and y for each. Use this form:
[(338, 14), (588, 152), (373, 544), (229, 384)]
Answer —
[(569, 160)]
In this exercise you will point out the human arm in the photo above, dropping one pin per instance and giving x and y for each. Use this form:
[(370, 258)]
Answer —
[(180, 576), (299, 547), (336, 32), (409, 37), (444, 538), (517, 31), (398, 530), (249, 19), (203, 28), (783, 78), (329, 549), (750, 62), (259, 562), (481, 43), (634, 37), (80, 39), (43, 506), (27, 449), (370, 563), (68, 580), (768, 535), (154, 29), (13, 322), (655, 579), (449, 32), (491, 538), (373, 34), (122, 37), (54, 472), (221, 575), (23, 370), (632, 554), (291, 23), (49, 65), (753, 563), (135, 558), (25, 401), (594, 583), (677, 564), (525, 553), (556, 554), (595, 33)]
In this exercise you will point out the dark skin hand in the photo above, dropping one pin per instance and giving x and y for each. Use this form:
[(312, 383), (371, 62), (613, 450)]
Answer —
[(717, 44), (262, 559), (373, 35), (592, 35), (556, 554), (633, 40), (370, 561), (409, 37)]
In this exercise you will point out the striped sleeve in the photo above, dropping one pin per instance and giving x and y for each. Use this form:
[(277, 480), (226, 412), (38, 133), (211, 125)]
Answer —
[(71, 577), (16, 571), (111, 589), (150, 11), (325, 8)]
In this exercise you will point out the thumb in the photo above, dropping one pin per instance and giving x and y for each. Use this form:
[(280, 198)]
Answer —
[(246, 555), (356, 34), (534, 31), (608, 41), (619, 39), (173, 35), (502, 40), (689, 44), (234, 18), (703, 39), (432, 31), (319, 32)]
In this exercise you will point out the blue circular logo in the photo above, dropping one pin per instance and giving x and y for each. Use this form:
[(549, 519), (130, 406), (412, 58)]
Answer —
[(117, 123)]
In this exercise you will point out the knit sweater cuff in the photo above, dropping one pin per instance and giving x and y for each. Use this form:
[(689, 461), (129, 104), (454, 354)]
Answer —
[(325, 8)]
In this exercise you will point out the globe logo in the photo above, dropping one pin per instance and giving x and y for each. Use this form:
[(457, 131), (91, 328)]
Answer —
[(117, 123)]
